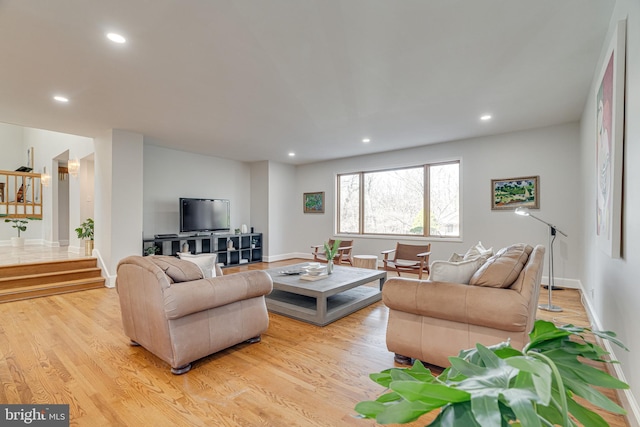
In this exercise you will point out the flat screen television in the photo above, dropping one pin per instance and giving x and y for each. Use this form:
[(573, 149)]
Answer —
[(204, 215)]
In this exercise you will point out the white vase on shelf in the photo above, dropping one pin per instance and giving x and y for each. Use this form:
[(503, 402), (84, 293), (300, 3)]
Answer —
[(244, 228)]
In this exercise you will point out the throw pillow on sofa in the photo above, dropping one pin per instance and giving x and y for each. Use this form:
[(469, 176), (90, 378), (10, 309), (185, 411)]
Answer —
[(502, 269), (206, 263), (474, 252), (176, 269), (455, 272)]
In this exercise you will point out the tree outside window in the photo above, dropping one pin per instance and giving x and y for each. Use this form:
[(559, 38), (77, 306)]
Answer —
[(394, 202)]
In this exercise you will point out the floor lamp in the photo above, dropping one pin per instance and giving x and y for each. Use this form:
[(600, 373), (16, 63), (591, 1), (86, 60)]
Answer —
[(552, 237)]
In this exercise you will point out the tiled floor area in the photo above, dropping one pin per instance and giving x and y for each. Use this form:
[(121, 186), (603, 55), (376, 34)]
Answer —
[(33, 253)]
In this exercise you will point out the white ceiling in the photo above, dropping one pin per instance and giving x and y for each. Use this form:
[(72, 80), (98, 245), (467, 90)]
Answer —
[(254, 79)]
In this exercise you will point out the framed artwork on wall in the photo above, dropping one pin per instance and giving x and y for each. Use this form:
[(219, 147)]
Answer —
[(512, 193), (313, 202), (609, 145)]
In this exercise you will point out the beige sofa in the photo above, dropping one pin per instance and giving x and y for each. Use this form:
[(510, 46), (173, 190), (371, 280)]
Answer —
[(431, 321), (169, 309)]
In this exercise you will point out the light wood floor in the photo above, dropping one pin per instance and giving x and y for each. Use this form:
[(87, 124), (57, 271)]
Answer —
[(34, 253), (71, 349)]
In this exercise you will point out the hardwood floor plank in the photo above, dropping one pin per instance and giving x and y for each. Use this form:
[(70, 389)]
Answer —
[(71, 349)]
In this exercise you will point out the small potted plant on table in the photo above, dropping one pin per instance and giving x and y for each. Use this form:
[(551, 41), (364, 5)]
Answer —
[(330, 252)]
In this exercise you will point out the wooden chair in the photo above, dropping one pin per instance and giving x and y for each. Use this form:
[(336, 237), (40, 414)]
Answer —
[(408, 258), (343, 255)]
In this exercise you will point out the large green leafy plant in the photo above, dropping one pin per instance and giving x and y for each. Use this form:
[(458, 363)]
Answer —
[(502, 386)]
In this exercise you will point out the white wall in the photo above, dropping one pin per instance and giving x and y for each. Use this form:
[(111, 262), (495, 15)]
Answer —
[(14, 153), (551, 153), (614, 282), (282, 211), (118, 198), (171, 174), (260, 202)]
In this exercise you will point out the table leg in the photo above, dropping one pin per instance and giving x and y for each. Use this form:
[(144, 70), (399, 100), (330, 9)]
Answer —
[(321, 308)]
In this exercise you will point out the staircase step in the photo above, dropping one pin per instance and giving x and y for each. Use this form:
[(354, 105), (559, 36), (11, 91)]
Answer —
[(47, 266), (38, 279), (44, 278), (34, 291)]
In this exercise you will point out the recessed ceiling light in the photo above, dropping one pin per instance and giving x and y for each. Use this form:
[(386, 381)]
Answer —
[(292, 154), (485, 117), (61, 98), (116, 38), (366, 140)]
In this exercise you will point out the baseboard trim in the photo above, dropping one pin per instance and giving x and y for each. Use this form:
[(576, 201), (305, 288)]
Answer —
[(110, 281), (562, 282), (283, 257), (627, 399)]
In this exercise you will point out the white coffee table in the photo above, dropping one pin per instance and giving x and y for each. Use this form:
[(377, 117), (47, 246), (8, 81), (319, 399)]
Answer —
[(326, 300)]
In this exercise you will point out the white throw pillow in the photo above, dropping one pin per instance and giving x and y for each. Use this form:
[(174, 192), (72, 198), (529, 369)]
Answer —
[(206, 262), (455, 257), (478, 251), (455, 272)]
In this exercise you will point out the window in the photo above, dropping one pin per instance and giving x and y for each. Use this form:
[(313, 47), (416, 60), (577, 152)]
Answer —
[(401, 201)]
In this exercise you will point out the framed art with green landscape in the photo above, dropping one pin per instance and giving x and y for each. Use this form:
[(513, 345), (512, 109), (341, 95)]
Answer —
[(313, 202), (512, 193)]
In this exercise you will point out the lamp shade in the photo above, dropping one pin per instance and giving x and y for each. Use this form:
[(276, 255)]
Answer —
[(74, 166), (45, 177)]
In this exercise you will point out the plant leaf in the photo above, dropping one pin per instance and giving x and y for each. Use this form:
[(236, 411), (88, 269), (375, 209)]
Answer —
[(370, 409), (598, 378), (569, 364), (544, 331), (455, 415), (401, 413), (611, 336), (550, 413), (541, 375), (485, 410), (514, 394), (466, 368), (392, 396), (435, 395), (593, 396), (489, 358), (524, 410), (587, 417)]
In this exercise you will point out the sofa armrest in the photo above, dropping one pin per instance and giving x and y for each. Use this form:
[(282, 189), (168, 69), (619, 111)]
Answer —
[(503, 309), (182, 299)]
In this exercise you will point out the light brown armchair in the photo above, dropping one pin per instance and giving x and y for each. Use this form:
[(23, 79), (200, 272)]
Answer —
[(430, 321), (180, 319), (343, 255), (408, 258)]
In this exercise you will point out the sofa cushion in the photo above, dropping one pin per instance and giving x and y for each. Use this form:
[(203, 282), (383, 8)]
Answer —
[(206, 262), (502, 269), (455, 272), (178, 270)]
